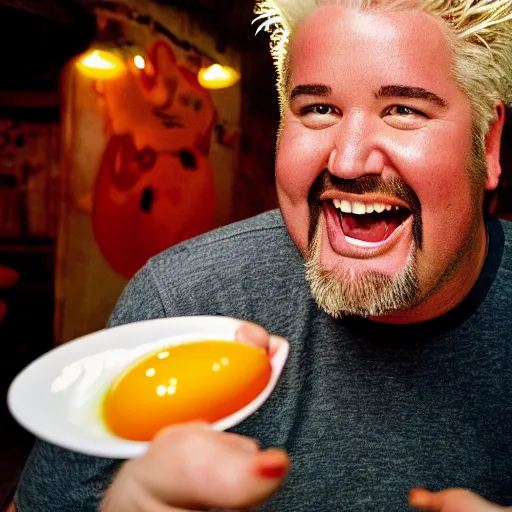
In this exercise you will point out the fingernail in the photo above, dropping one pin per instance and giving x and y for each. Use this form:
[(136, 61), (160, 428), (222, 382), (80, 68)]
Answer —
[(272, 471), (418, 497)]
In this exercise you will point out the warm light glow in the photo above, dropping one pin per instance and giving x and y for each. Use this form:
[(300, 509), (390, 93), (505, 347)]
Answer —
[(139, 62), (100, 64), (218, 77)]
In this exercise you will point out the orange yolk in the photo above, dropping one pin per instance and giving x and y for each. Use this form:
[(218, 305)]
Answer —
[(206, 381)]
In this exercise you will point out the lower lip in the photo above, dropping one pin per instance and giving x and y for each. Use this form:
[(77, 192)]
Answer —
[(357, 248)]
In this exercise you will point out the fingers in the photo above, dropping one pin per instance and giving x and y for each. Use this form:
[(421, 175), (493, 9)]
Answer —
[(254, 334), (236, 441), (194, 468), (451, 500), (272, 464)]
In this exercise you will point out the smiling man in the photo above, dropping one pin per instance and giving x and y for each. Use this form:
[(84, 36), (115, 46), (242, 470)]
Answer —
[(377, 150), (380, 269)]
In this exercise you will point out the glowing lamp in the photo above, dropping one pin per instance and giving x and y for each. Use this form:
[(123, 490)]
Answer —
[(218, 77), (100, 64)]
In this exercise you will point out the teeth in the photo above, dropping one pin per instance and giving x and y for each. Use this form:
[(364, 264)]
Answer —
[(346, 206), (359, 208)]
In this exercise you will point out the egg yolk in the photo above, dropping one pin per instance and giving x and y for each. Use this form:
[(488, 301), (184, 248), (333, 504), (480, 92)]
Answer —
[(205, 380)]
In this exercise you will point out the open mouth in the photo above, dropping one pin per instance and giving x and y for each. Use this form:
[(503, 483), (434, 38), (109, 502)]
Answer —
[(369, 224)]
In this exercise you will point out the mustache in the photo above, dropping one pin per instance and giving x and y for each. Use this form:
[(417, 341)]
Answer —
[(395, 187)]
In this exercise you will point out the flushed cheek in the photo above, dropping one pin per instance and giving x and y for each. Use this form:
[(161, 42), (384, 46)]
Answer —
[(292, 191), (297, 222), (441, 183), (302, 156), (447, 216), (443, 188), (293, 178), (434, 164)]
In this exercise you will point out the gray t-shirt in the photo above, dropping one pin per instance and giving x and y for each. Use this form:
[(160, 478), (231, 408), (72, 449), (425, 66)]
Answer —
[(366, 411)]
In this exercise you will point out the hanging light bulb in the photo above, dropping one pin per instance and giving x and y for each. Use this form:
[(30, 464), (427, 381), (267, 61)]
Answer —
[(218, 77), (100, 64)]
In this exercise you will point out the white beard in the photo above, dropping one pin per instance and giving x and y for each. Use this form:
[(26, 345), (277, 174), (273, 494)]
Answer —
[(368, 294)]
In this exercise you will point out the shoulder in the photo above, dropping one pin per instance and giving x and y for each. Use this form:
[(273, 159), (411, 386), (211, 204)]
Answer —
[(238, 237), (236, 270), (498, 267), (506, 260), (231, 270)]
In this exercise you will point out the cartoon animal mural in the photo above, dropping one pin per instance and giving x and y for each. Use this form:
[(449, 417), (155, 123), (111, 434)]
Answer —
[(155, 186)]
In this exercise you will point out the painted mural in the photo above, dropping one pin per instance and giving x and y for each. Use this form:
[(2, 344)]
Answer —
[(155, 185), (148, 158)]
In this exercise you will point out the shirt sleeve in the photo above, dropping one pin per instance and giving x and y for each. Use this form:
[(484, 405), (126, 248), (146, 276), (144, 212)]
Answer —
[(64, 481)]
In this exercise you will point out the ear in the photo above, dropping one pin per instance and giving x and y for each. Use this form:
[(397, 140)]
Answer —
[(492, 147)]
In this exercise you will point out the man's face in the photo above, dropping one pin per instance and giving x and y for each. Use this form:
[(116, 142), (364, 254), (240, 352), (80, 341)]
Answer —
[(373, 163)]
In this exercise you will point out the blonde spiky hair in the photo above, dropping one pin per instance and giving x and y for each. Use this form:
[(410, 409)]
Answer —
[(480, 33)]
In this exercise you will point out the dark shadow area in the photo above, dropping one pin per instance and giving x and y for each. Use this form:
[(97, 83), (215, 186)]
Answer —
[(26, 332)]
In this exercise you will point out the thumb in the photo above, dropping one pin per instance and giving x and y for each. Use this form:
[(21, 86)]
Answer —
[(193, 467), (451, 500)]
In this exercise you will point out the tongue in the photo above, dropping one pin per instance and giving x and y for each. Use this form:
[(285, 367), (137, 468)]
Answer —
[(369, 227)]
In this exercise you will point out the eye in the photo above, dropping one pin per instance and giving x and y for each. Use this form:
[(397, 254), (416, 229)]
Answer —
[(188, 160), (402, 110), (318, 116), (405, 118), (320, 109)]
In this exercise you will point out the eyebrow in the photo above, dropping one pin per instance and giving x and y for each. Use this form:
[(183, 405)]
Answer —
[(404, 91), (311, 90)]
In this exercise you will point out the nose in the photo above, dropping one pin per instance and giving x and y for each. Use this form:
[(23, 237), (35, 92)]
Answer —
[(356, 151)]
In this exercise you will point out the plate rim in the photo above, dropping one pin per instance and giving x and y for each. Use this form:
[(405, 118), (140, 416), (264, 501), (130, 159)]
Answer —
[(124, 449)]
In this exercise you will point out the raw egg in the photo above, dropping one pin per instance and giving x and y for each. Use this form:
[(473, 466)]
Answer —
[(203, 380)]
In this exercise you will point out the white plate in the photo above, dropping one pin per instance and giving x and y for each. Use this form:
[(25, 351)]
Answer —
[(57, 397)]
